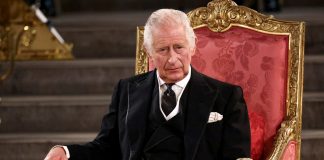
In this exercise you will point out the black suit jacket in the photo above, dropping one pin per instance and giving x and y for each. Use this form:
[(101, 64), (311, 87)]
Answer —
[(122, 135)]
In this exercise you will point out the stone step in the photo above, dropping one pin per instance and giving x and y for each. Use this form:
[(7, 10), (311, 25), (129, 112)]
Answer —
[(113, 34), (313, 73), (313, 109), (83, 113), (312, 144), (41, 114), (314, 36), (101, 35), (67, 77), (26, 146), (302, 3), (99, 76)]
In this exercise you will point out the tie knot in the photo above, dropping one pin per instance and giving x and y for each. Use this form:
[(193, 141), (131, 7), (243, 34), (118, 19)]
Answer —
[(169, 86)]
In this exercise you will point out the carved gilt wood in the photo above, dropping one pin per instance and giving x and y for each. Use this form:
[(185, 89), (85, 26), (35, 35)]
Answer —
[(23, 25)]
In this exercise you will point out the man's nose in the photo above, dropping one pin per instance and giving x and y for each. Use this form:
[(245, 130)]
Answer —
[(173, 56)]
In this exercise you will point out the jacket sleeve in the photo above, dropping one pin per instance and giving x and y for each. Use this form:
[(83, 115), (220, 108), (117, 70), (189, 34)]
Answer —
[(237, 136), (106, 144)]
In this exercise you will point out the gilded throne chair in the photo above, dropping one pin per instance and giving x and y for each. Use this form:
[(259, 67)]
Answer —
[(261, 54)]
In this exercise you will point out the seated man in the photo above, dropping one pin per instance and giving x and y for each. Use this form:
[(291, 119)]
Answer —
[(173, 112)]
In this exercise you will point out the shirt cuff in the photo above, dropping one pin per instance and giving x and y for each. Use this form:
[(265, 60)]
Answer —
[(66, 150)]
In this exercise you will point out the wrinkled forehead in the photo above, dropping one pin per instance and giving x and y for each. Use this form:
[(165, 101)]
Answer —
[(168, 28), (169, 33)]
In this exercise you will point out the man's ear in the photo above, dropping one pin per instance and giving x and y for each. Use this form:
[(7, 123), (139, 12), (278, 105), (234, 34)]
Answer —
[(193, 50)]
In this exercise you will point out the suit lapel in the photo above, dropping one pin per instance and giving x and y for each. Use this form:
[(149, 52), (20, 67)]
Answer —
[(140, 95), (200, 101)]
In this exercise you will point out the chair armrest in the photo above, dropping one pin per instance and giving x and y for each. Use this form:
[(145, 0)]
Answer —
[(285, 135)]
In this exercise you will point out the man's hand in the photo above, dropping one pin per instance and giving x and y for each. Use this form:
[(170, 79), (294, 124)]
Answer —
[(56, 153)]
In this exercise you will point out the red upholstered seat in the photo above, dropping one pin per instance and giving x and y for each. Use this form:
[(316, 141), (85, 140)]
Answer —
[(262, 55)]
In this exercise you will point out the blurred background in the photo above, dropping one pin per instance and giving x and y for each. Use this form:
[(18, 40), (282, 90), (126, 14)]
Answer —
[(60, 100)]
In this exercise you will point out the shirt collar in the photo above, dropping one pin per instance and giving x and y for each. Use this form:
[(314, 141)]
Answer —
[(182, 83)]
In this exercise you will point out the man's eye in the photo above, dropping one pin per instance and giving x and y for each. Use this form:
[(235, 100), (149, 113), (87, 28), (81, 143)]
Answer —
[(161, 50), (178, 47)]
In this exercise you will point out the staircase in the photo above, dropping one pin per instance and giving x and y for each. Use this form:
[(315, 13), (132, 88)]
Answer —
[(313, 99), (55, 102), (62, 102)]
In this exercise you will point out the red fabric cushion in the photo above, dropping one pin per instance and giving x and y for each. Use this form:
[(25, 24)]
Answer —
[(257, 133), (290, 151)]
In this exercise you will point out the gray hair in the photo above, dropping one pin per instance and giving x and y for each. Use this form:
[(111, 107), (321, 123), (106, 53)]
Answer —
[(166, 17)]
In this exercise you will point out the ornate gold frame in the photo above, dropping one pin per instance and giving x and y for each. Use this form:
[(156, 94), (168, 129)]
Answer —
[(219, 16), (24, 35)]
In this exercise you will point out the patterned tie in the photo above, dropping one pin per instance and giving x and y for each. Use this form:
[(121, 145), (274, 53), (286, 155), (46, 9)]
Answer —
[(168, 99)]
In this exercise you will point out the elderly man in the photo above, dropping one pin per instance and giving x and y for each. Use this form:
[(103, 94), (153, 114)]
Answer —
[(173, 112)]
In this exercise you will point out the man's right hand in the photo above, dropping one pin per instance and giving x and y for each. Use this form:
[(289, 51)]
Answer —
[(56, 153)]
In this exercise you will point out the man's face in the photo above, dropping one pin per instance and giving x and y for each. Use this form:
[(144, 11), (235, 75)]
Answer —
[(171, 53)]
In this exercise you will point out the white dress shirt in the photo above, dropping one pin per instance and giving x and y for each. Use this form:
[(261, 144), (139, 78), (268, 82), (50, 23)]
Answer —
[(178, 89)]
